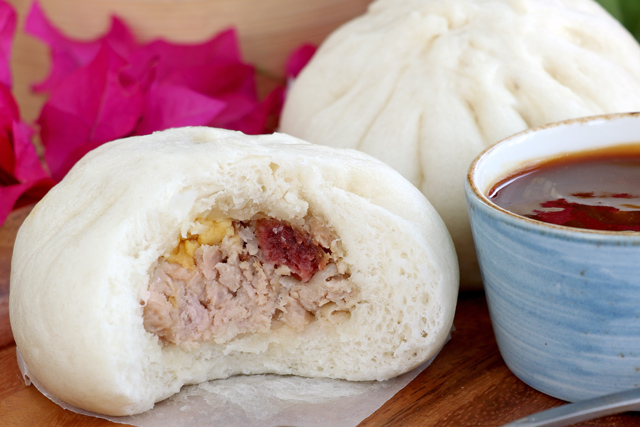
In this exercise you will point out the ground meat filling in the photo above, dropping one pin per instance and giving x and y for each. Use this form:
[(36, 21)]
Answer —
[(249, 277)]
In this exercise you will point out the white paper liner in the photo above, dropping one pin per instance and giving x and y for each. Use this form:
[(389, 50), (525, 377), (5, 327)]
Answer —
[(259, 400)]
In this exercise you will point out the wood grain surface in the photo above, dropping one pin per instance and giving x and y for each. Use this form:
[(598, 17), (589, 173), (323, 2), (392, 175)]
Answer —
[(468, 384)]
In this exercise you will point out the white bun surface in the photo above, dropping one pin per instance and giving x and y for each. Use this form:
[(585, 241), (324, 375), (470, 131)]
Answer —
[(82, 261), (426, 85)]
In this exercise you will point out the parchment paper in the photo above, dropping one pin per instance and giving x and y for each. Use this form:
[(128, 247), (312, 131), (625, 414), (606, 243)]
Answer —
[(260, 400)]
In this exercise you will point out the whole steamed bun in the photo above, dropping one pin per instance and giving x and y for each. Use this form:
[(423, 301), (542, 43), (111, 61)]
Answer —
[(426, 85), (129, 278)]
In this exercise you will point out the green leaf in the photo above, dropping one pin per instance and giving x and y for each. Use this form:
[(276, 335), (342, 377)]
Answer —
[(613, 7), (631, 16), (625, 11)]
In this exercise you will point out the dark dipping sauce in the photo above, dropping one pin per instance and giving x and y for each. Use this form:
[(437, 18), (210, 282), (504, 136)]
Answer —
[(597, 190)]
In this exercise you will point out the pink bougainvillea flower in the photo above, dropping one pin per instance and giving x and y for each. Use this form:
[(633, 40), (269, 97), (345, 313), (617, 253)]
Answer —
[(299, 59), (263, 118), (232, 83), (91, 106), (7, 30), (113, 87), (167, 106), (23, 180), (213, 69), (170, 58), (67, 55)]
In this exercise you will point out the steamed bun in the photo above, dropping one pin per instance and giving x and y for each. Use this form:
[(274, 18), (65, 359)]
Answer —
[(198, 253), (426, 85)]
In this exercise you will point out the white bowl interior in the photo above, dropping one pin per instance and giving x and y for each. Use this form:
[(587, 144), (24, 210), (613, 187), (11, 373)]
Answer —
[(534, 145)]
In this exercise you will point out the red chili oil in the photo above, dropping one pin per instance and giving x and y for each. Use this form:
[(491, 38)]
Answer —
[(597, 189)]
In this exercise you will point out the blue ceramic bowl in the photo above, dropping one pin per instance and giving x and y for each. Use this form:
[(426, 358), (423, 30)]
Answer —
[(564, 302)]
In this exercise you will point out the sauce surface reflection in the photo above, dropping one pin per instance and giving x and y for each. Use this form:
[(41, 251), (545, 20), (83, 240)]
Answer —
[(598, 190)]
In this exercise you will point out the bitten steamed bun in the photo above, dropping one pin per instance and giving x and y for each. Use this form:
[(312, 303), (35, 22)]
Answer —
[(198, 253), (426, 85)]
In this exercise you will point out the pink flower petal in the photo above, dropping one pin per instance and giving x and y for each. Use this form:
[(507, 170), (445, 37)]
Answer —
[(28, 167), (9, 111), (8, 198), (7, 30), (238, 106), (68, 54), (168, 106), (232, 83), (299, 59), (263, 118), (91, 106), (169, 58), (8, 114), (22, 176), (120, 38), (27, 181), (112, 87), (7, 160), (217, 79), (15, 196)]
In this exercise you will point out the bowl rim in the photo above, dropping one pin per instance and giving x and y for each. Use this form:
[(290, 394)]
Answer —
[(541, 226)]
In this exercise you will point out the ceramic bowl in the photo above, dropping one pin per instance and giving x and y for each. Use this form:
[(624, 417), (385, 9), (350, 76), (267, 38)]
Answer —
[(564, 302)]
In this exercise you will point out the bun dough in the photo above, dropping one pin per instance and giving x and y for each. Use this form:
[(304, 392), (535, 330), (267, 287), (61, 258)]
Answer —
[(83, 258), (426, 85)]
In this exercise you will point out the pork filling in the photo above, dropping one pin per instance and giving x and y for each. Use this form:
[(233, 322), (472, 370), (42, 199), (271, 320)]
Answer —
[(239, 277)]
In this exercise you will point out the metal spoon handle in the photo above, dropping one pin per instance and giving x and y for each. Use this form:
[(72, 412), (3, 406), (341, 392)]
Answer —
[(582, 411)]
